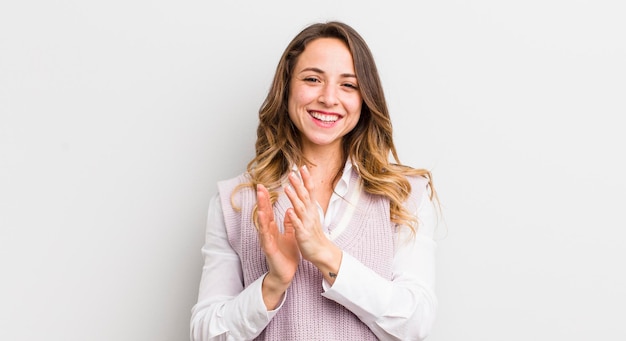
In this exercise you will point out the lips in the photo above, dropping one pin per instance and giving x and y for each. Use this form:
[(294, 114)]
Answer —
[(324, 117)]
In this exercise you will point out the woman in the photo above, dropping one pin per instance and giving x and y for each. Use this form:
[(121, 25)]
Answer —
[(322, 238)]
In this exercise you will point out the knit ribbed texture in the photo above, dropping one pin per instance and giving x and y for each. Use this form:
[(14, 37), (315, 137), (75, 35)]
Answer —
[(306, 315)]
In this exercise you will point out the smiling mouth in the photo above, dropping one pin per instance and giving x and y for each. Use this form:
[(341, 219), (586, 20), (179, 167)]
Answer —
[(324, 117)]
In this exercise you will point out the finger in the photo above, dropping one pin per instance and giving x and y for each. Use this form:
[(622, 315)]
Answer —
[(265, 213), (267, 226), (267, 239), (298, 186), (264, 222), (289, 223), (306, 179), (292, 221), (263, 203), (297, 204)]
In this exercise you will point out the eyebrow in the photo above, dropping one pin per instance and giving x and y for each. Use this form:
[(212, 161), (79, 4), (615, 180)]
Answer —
[(314, 69)]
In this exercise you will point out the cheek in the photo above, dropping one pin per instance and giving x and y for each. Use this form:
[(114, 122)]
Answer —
[(291, 102), (354, 120), (292, 110), (356, 106), (305, 98), (355, 111), (300, 95)]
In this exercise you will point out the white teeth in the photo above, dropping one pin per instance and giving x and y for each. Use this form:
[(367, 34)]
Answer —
[(325, 118)]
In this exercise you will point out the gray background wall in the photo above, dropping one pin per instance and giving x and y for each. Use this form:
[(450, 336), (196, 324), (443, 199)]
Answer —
[(117, 118)]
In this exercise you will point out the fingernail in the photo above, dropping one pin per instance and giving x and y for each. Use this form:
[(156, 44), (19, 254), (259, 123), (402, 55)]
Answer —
[(294, 175)]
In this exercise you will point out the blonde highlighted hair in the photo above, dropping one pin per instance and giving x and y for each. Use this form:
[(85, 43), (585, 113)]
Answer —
[(369, 145)]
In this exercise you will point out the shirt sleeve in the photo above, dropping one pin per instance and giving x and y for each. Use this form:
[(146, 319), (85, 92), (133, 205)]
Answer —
[(405, 307), (225, 309)]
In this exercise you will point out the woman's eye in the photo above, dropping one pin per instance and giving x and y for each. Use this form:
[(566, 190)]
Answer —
[(350, 85), (310, 79)]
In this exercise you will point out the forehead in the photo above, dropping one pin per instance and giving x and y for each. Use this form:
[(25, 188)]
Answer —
[(329, 51)]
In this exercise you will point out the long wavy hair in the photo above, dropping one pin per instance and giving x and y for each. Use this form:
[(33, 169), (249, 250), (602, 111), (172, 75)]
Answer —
[(369, 145)]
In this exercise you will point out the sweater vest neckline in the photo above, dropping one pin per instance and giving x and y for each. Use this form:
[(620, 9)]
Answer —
[(351, 204)]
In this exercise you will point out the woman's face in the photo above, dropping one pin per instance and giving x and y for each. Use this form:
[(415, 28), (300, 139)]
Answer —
[(324, 96)]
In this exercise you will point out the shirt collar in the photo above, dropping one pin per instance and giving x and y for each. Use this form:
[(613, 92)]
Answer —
[(341, 188)]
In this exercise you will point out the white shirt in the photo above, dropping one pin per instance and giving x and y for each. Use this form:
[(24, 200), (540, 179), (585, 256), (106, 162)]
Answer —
[(401, 309)]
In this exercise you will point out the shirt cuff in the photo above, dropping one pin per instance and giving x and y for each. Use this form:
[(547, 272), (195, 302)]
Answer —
[(354, 286), (250, 303), (256, 289)]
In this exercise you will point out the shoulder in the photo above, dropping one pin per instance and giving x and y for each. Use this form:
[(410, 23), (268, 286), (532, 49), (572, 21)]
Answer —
[(238, 179), (228, 185), (418, 178), (419, 182), (233, 190), (420, 190), (238, 199)]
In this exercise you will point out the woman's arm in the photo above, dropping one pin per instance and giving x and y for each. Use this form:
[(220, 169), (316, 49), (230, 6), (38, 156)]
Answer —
[(225, 310), (402, 308), (405, 307)]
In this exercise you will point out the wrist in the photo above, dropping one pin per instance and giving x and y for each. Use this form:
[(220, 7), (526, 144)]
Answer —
[(273, 283), (329, 263), (273, 289)]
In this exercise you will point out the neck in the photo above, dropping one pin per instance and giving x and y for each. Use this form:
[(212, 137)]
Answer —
[(324, 163)]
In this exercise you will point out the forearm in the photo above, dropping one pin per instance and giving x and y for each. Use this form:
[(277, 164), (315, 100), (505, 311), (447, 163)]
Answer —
[(394, 310), (242, 317), (226, 310)]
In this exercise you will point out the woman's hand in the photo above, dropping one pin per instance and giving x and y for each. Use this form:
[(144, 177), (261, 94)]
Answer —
[(304, 216), (281, 250)]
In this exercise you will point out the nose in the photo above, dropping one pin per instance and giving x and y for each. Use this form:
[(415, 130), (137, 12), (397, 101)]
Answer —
[(328, 95)]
